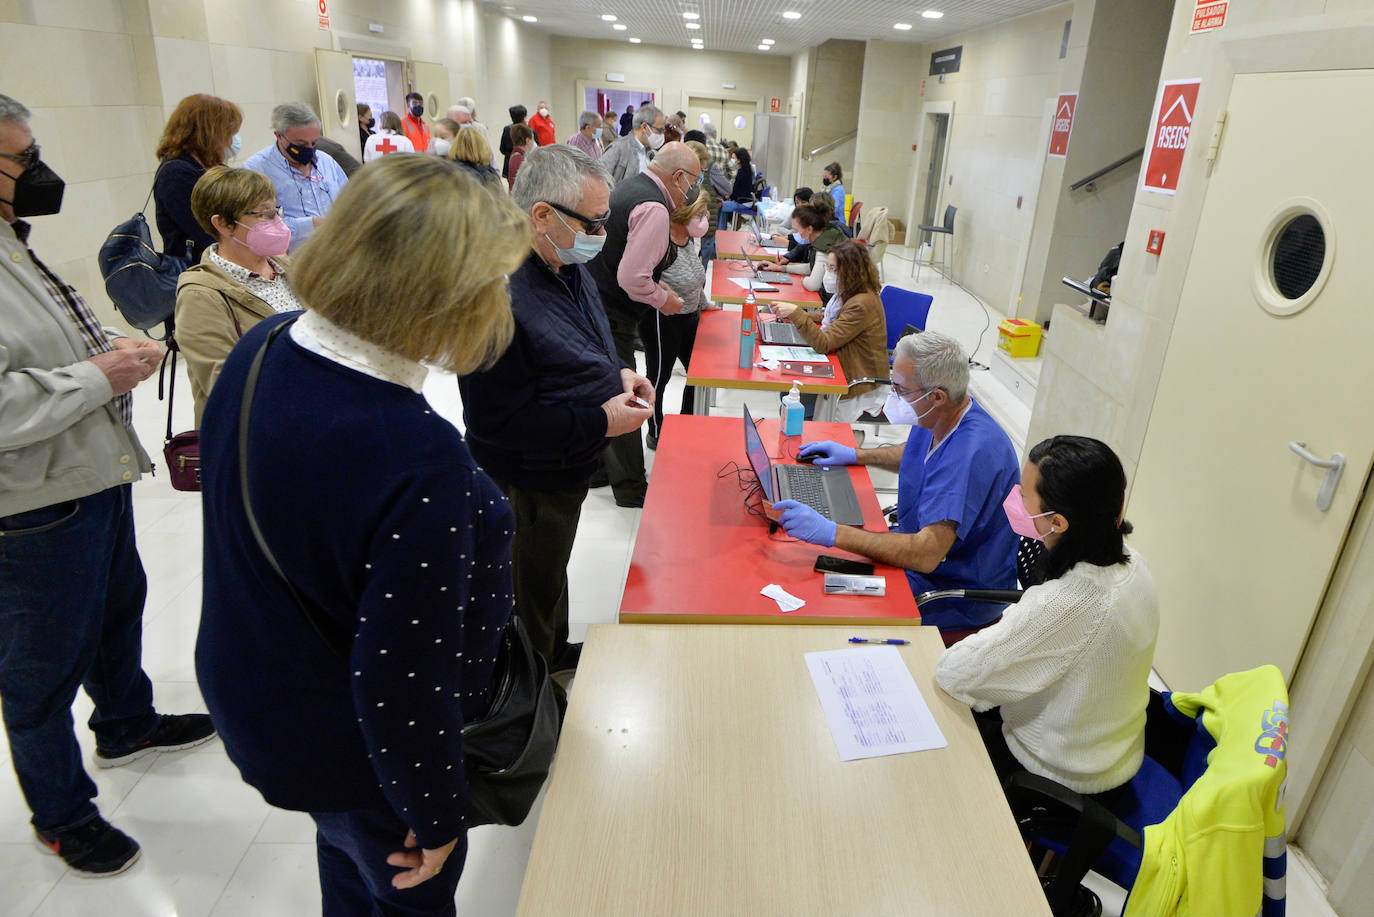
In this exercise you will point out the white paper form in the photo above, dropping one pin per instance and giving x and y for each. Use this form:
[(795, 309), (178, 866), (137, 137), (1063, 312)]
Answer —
[(791, 354), (872, 703), (749, 283)]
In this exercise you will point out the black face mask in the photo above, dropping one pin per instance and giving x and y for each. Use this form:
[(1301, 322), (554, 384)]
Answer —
[(371, 123), (38, 192), (417, 110), (826, 181), (304, 155)]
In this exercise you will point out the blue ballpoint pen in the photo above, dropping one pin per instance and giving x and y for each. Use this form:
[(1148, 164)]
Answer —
[(888, 642)]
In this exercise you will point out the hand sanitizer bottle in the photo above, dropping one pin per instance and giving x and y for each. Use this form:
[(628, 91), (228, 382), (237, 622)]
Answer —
[(792, 412)]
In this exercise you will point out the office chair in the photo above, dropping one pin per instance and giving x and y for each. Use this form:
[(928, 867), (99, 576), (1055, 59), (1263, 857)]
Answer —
[(739, 216), (946, 230)]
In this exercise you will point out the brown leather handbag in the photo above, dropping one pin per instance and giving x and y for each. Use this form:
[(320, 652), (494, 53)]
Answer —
[(181, 451)]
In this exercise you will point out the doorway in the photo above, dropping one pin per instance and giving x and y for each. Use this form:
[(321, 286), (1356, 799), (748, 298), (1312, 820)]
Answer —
[(938, 125), (734, 119), (379, 84)]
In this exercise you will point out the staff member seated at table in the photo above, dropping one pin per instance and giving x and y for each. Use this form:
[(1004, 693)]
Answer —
[(814, 230), (953, 473), (852, 326), (1059, 686)]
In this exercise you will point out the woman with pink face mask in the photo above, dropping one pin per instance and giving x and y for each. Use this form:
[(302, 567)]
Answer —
[(240, 280), (669, 338), (1059, 685)]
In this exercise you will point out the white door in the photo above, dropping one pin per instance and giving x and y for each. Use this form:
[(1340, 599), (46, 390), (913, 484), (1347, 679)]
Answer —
[(1226, 515), (431, 82), (338, 110)]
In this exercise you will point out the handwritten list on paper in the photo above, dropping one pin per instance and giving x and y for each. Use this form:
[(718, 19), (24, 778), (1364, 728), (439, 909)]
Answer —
[(872, 703)]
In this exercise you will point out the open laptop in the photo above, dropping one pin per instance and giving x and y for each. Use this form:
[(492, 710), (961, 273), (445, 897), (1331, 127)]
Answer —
[(781, 332), (765, 276), (765, 243), (826, 490)]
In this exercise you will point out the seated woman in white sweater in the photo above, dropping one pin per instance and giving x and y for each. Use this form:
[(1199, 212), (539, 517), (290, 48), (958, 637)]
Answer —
[(1059, 686)]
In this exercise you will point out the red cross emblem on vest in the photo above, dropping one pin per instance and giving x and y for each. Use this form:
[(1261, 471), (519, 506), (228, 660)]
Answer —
[(386, 146)]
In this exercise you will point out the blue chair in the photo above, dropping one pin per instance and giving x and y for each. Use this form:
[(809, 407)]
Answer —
[(1178, 752), (902, 308)]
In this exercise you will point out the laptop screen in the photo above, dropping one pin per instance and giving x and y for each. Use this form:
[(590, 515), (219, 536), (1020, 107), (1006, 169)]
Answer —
[(749, 261), (758, 455)]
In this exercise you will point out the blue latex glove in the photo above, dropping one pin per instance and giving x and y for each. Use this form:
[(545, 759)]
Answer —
[(831, 453), (801, 521)]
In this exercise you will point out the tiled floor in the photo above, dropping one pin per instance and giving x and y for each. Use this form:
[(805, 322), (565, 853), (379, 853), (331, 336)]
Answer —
[(211, 845)]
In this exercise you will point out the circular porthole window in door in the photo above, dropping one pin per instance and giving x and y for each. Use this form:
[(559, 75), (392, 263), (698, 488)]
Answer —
[(1296, 252)]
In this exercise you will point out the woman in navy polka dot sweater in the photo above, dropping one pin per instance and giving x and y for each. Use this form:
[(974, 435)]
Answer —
[(386, 527)]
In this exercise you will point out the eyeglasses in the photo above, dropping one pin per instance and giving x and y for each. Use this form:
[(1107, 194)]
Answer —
[(911, 396), (265, 214), (27, 157), (593, 224)]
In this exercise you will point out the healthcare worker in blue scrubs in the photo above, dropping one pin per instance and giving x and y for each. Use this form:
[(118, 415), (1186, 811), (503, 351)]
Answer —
[(953, 473)]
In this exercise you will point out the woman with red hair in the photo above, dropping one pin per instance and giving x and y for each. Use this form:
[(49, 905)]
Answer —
[(202, 132)]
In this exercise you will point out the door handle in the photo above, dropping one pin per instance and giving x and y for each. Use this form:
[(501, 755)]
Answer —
[(1334, 466)]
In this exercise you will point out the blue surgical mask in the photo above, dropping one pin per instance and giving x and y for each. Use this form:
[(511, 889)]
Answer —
[(235, 145), (584, 247), (596, 134)]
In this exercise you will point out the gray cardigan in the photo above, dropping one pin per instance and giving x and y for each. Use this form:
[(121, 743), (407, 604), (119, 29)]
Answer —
[(622, 159), (60, 435)]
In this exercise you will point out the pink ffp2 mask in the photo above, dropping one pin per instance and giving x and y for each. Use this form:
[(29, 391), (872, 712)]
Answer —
[(1022, 522), (268, 238)]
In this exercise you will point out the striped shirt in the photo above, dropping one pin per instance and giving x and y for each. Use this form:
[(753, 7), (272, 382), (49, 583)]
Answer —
[(585, 144), (75, 308)]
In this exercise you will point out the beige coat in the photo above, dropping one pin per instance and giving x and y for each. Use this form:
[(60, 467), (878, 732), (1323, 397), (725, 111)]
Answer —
[(858, 335), (208, 303)]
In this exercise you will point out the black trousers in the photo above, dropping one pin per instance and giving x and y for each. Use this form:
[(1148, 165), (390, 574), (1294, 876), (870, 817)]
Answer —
[(624, 456), (667, 339), (545, 526)]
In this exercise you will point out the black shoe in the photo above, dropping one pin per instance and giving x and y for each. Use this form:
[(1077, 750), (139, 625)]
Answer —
[(600, 479), (172, 733), (93, 848), (634, 502), (651, 441)]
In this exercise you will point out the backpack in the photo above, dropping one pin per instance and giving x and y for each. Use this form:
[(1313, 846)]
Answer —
[(140, 281)]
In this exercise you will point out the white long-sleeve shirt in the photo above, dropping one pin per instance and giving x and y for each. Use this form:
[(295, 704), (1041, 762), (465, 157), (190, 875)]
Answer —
[(1069, 665)]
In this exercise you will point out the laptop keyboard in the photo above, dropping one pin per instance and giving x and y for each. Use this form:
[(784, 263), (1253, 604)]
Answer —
[(782, 333), (805, 485)]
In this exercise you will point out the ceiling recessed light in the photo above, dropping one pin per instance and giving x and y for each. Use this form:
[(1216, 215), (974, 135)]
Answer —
[(607, 17), (902, 26), (691, 15), (620, 27), (692, 25), (767, 41), (791, 14), (634, 41), (698, 47), (765, 47), (932, 14), (529, 18)]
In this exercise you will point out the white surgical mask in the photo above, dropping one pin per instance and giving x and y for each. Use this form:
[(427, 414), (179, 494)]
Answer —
[(898, 410), (831, 282), (439, 146), (544, 112), (655, 140)]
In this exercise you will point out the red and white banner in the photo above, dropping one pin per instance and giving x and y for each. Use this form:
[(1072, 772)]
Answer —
[(1063, 124), (1173, 124), (324, 14), (1208, 16)]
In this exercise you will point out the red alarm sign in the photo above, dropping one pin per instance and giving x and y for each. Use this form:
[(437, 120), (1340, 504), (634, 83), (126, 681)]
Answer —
[(1173, 124), (1063, 124)]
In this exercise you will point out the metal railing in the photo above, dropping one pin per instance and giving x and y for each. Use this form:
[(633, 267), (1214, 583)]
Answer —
[(834, 143), (1089, 181)]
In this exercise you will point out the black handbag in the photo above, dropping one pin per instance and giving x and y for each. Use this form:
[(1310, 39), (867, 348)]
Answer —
[(509, 750), (140, 280)]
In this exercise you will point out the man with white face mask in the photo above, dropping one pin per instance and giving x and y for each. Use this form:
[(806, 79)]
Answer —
[(953, 473), (631, 154), (538, 420)]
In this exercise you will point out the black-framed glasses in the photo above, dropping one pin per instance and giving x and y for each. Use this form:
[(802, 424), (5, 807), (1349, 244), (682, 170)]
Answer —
[(27, 157), (593, 224)]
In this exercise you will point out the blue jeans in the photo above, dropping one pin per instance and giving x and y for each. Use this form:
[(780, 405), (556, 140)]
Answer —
[(728, 208), (355, 878), (708, 250), (71, 615)]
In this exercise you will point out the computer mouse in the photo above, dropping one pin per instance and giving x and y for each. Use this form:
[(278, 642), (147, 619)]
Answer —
[(809, 458)]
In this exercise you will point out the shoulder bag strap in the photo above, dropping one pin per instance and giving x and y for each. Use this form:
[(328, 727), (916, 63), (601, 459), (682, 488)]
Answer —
[(245, 416), (170, 356), (229, 307)]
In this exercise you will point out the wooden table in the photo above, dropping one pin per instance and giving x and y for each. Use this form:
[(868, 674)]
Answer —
[(700, 557), (715, 365), (729, 242), (723, 290), (696, 775)]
